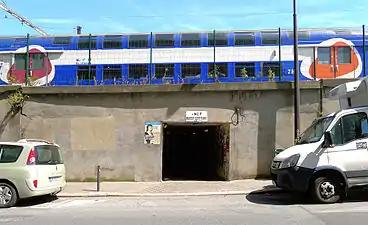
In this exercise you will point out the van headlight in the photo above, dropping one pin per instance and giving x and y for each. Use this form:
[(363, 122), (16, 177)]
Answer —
[(290, 162)]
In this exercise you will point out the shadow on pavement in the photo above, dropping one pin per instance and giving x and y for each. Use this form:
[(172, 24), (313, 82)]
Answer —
[(274, 196), (36, 201)]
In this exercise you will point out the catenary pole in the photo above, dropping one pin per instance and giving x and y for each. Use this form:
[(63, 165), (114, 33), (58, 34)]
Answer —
[(296, 74)]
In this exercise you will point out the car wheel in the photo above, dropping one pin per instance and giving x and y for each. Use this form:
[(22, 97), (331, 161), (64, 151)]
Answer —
[(8, 196), (326, 190)]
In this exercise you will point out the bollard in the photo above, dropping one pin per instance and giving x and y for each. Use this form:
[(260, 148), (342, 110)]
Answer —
[(98, 177)]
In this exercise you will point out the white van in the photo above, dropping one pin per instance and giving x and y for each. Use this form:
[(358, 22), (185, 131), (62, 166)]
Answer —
[(29, 168), (331, 155)]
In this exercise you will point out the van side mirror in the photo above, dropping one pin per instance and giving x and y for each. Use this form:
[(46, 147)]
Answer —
[(327, 142)]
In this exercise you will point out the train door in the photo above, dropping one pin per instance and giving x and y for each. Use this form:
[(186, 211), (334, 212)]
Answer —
[(346, 62), (337, 61), (37, 66)]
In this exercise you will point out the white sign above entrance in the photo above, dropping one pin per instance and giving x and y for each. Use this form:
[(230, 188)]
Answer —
[(196, 116)]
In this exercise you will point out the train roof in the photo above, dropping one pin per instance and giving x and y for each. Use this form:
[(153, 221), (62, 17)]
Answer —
[(342, 31)]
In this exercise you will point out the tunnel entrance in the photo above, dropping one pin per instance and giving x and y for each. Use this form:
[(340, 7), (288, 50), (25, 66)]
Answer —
[(195, 152)]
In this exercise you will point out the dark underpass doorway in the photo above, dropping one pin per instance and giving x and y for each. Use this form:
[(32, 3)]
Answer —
[(195, 152)]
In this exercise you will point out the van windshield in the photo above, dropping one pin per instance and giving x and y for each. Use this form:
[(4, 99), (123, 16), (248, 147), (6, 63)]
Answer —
[(315, 131)]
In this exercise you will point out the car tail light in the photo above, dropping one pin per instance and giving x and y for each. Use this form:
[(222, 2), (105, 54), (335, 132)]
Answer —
[(31, 157), (35, 183)]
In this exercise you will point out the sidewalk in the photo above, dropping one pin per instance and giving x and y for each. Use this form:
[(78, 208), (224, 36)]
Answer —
[(165, 188)]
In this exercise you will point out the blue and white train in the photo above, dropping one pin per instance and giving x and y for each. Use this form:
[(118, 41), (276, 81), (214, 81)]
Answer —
[(175, 58)]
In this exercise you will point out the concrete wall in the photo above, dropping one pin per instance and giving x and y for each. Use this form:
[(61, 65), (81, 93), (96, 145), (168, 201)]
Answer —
[(105, 125)]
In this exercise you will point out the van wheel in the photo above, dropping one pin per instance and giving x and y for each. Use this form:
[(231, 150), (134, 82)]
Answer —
[(326, 190), (8, 196)]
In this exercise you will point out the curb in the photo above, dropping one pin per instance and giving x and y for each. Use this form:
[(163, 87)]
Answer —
[(116, 194)]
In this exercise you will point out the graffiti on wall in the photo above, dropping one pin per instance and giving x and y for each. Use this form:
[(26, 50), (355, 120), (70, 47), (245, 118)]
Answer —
[(81, 61)]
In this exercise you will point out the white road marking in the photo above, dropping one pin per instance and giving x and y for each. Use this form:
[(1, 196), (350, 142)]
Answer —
[(74, 203), (65, 204), (49, 205)]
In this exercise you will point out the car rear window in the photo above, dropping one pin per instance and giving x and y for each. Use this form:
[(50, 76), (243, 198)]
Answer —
[(48, 155), (10, 153)]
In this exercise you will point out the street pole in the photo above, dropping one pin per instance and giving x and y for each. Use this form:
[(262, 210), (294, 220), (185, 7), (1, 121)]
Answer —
[(296, 75), (27, 61), (89, 57), (151, 46), (364, 53), (280, 62)]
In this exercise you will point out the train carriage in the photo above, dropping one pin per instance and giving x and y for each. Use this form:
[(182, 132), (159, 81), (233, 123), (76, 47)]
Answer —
[(176, 58)]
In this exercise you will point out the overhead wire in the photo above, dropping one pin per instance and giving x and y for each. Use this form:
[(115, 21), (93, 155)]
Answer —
[(199, 14)]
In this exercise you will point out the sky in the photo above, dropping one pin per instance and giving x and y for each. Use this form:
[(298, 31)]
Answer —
[(130, 16)]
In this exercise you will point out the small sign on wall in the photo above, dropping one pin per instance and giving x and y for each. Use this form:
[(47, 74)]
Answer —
[(196, 116), (152, 133)]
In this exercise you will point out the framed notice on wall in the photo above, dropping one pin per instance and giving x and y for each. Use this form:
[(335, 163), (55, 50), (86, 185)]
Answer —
[(152, 133), (196, 116)]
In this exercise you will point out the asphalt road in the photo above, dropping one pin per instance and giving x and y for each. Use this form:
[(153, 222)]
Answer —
[(276, 208)]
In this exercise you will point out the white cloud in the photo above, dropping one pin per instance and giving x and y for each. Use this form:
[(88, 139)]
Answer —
[(189, 27), (331, 19), (114, 26)]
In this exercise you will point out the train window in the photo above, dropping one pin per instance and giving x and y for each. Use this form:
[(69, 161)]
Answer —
[(37, 61), (190, 40), (269, 38), (138, 41), (62, 40), (244, 70), (83, 42), (112, 72), (344, 55), (82, 73), (244, 38), (324, 55), (164, 40), (271, 67), (164, 70), (221, 70), (20, 61), (137, 71), (113, 42), (301, 35), (342, 32), (191, 70), (217, 39)]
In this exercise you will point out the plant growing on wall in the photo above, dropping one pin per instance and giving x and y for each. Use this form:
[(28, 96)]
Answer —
[(214, 73), (244, 73), (12, 79), (32, 81), (271, 74), (16, 101)]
